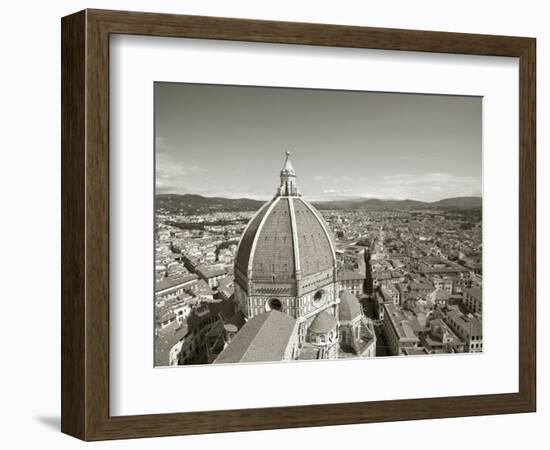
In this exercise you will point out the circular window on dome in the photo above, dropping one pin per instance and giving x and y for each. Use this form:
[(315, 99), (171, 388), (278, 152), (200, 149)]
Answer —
[(319, 298), (275, 304)]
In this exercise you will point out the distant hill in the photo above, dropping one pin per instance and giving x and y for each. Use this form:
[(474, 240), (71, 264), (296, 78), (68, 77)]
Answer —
[(369, 203), (459, 202), (373, 203), (197, 204)]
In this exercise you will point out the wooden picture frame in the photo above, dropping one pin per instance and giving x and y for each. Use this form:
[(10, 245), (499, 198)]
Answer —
[(85, 224)]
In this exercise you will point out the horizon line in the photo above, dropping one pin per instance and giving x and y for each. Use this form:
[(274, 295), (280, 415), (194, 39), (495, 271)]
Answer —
[(328, 200)]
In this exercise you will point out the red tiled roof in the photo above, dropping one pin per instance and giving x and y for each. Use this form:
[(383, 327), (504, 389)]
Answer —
[(269, 236)]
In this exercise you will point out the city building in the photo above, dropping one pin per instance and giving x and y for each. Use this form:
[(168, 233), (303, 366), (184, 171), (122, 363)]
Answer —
[(398, 330), (440, 339), (352, 281), (226, 288), (379, 302), (168, 288), (472, 300), (270, 336), (211, 275), (468, 328), (390, 294), (205, 332), (356, 332)]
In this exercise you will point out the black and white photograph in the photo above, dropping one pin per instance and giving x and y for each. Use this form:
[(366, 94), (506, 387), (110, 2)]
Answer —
[(307, 224)]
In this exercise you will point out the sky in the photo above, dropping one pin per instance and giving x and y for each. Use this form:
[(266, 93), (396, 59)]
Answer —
[(230, 141)]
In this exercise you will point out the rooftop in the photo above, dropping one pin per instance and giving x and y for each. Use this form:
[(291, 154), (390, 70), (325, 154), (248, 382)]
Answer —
[(350, 275), (323, 323), (349, 308), (471, 324), (474, 292), (263, 338), (210, 272), (403, 326), (166, 340), (169, 282)]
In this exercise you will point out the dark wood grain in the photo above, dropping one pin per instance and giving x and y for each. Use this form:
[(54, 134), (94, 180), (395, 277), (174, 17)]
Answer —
[(85, 224), (73, 227), (527, 224)]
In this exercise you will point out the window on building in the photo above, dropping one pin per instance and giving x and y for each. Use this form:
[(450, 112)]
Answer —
[(275, 304), (319, 298)]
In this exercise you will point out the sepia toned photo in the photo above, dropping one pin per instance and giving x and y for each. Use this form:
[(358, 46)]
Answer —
[(310, 224)]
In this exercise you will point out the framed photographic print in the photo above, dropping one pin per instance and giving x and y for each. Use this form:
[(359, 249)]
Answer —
[(320, 224)]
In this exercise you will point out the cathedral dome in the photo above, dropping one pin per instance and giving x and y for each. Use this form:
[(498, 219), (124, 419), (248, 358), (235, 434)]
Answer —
[(286, 240), (349, 308), (323, 323)]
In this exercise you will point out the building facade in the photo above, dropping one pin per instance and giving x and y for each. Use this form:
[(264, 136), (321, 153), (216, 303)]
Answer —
[(472, 299), (469, 328)]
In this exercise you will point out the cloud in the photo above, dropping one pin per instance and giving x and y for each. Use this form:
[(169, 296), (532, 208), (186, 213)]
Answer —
[(336, 178), (431, 180), (414, 156), (162, 146), (171, 173), (426, 187), (167, 172), (339, 191)]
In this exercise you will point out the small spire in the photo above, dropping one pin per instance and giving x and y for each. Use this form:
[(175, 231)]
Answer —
[(287, 166), (288, 179)]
